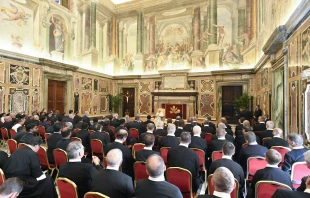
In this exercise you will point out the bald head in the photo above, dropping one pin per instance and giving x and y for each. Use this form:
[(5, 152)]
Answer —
[(160, 124), (223, 180), (197, 130), (114, 158), (155, 166), (122, 135), (220, 132)]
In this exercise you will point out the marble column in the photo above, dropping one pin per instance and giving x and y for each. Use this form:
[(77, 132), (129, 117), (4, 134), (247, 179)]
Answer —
[(139, 33), (241, 21), (93, 24), (233, 31), (253, 20), (248, 17), (121, 44), (109, 42), (152, 35), (285, 91), (213, 21), (196, 28), (47, 44), (113, 36), (125, 43), (101, 41)]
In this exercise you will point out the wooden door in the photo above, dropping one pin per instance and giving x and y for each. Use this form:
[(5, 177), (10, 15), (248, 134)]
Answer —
[(56, 95), (229, 93), (129, 102)]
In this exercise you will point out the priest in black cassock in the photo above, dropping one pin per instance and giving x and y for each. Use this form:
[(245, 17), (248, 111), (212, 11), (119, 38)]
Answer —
[(25, 165)]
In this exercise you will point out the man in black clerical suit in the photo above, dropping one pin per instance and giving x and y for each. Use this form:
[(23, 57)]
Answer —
[(261, 125), (147, 151), (80, 173), (252, 150), (137, 124), (188, 126), (63, 143), (245, 113), (276, 140), (207, 128), (105, 123), (210, 123), (284, 193), (114, 122), (272, 172), (170, 140), (156, 186), (268, 132), (86, 118), (226, 161), (182, 156), (127, 165), (150, 128), (179, 129), (239, 127), (148, 120), (303, 186), (94, 126), (197, 141), (257, 113), (21, 131), (32, 130), (25, 165), (100, 136), (217, 145), (179, 114), (115, 183), (223, 181), (296, 154), (52, 141), (84, 136), (160, 131)]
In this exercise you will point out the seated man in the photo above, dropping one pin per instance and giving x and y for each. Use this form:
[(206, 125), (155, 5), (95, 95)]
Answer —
[(239, 127), (149, 130), (227, 136), (252, 150), (260, 126), (127, 164), (302, 187), (105, 123), (206, 127), (156, 186), (272, 172), (170, 140), (160, 131), (147, 151), (179, 129), (217, 145), (11, 188), (296, 154), (188, 126), (25, 165), (182, 156), (268, 132), (148, 120), (100, 136), (226, 161), (84, 136), (80, 173), (276, 140), (224, 183), (115, 183), (52, 141), (64, 142), (284, 193), (197, 141), (32, 130)]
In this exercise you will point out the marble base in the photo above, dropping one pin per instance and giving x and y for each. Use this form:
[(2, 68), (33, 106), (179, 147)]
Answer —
[(212, 58)]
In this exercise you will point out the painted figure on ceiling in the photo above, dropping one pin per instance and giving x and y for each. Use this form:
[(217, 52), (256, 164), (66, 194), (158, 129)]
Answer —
[(15, 14)]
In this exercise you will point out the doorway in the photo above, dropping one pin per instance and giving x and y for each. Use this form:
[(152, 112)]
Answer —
[(56, 95), (128, 102), (229, 93)]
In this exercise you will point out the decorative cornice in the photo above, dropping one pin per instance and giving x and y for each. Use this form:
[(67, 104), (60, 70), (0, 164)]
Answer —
[(262, 62), (235, 71), (275, 41), (90, 72), (58, 65), (18, 57)]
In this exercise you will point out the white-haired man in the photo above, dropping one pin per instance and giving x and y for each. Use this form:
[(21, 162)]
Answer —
[(276, 140), (197, 141), (268, 132)]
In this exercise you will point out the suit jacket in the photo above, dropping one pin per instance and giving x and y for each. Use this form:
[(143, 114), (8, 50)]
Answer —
[(276, 141), (62, 144), (198, 142), (229, 131), (250, 151), (259, 127), (246, 114), (265, 133), (169, 141), (216, 145), (106, 129), (110, 186), (114, 122), (160, 132), (52, 141), (273, 174), (18, 136), (212, 126), (295, 155), (138, 125), (238, 127), (142, 155), (141, 139), (178, 132), (188, 127), (184, 157), (86, 119), (100, 136), (227, 137), (207, 129), (257, 113), (67, 119), (284, 193), (93, 126), (303, 186), (84, 136), (80, 173), (78, 125), (155, 189), (127, 165), (148, 121), (3, 158)]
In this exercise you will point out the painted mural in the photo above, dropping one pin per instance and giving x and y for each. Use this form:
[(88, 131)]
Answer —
[(294, 106), (57, 36), (278, 91)]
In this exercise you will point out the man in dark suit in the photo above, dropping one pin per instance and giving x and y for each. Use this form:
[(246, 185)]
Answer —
[(303, 186), (100, 136), (170, 140), (226, 161), (217, 145), (197, 141), (160, 131), (284, 193), (52, 142), (79, 122), (272, 172), (115, 183), (32, 130), (148, 120), (210, 123), (268, 132), (94, 126), (84, 136), (206, 128), (179, 129), (127, 165), (105, 123), (224, 183), (179, 114), (245, 113), (137, 124), (257, 113), (228, 136), (276, 140), (80, 173), (239, 127), (156, 186), (252, 150), (182, 156), (147, 151), (223, 124), (63, 143), (296, 154), (261, 125), (150, 128), (86, 118), (114, 122), (21, 131), (188, 126)]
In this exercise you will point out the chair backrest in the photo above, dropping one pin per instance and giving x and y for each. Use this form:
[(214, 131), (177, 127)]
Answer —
[(208, 138), (12, 144), (4, 133), (107, 135), (46, 135), (91, 132), (137, 147), (97, 148), (112, 128), (43, 157), (254, 164), (265, 139), (140, 171), (76, 130), (164, 153), (76, 139), (265, 189), (95, 195), (105, 164), (180, 177), (60, 157), (216, 155), (159, 138), (245, 145), (234, 193), (12, 133), (21, 145), (282, 150), (2, 177), (298, 172), (41, 130), (201, 155), (134, 133), (66, 187)]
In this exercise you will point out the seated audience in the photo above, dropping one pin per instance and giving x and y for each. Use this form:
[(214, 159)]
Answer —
[(3, 158), (197, 141), (160, 131), (63, 143), (156, 186), (24, 164), (147, 151), (296, 154), (32, 130), (110, 186), (150, 128), (11, 188), (272, 172), (20, 122), (84, 136), (21, 131), (43, 122), (95, 124), (115, 122), (137, 124), (302, 187), (227, 136), (268, 132), (170, 140), (189, 125), (182, 156), (207, 128), (100, 136), (210, 123), (105, 123), (78, 122), (276, 140), (217, 145), (261, 125), (127, 164), (80, 173), (179, 129), (148, 120), (52, 141)]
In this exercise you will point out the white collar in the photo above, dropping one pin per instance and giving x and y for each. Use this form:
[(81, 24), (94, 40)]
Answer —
[(112, 168), (277, 136), (221, 194), (272, 166), (307, 191), (57, 132), (160, 128), (223, 138), (269, 129), (119, 141), (262, 123), (197, 135), (149, 131), (298, 147), (253, 143), (226, 157), (75, 160), (170, 135), (160, 178), (147, 148), (206, 125), (182, 144), (180, 127)]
